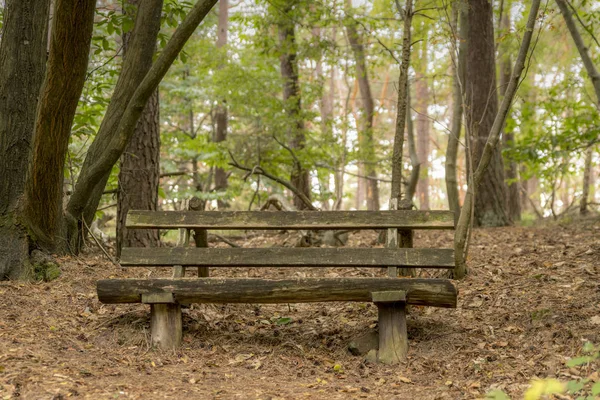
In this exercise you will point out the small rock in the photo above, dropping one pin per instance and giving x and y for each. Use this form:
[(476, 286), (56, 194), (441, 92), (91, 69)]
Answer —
[(364, 343)]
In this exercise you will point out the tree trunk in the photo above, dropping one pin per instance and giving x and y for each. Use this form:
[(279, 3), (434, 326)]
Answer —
[(136, 64), (140, 170), (401, 112), (482, 103), (70, 39), (588, 63), (423, 129), (459, 27), (221, 111), (587, 175), (300, 178), (513, 203), (365, 136), (22, 49), (463, 227), (412, 151), (117, 127)]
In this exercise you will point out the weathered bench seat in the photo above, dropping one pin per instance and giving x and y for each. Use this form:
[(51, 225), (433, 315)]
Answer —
[(390, 294)]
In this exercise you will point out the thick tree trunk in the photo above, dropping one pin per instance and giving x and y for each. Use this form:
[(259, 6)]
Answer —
[(513, 203), (22, 68), (460, 18), (462, 234), (70, 39), (140, 169), (365, 136), (221, 112), (423, 129), (95, 171), (300, 177), (482, 103)]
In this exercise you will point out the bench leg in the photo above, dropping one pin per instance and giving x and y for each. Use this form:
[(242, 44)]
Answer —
[(166, 325), (393, 339)]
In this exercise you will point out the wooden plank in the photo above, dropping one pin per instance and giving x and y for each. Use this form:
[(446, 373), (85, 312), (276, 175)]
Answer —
[(425, 292), (158, 298), (388, 297), (407, 219), (287, 257), (200, 235)]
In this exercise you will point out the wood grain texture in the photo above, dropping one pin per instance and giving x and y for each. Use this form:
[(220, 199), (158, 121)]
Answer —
[(166, 326), (287, 257), (393, 337), (425, 292), (291, 219)]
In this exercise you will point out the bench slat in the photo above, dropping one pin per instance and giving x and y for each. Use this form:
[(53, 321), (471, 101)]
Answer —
[(287, 257), (313, 220), (425, 292)]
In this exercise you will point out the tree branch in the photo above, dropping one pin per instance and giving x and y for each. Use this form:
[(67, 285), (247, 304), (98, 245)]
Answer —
[(257, 170)]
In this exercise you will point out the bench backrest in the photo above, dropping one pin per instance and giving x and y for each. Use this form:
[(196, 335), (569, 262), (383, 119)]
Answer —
[(290, 257)]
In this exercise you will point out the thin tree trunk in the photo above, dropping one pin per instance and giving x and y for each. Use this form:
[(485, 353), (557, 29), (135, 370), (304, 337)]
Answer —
[(482, 103), (96, 170), (412, 151), (396, 185), (300, 177), (588, 63), (587, 175), (513, 203), (462, 233), (460, 21), (423, 128), (365, 136), (22, 48), (221, 111), (139, 174)]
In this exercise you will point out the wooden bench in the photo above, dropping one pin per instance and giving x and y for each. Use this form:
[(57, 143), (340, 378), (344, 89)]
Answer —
[(390, 294)]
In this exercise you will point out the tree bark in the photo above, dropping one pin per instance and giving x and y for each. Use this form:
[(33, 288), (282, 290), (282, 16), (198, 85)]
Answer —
[(396, 185), (221, 183), (482, 104), (22, 68), (587, 175), (412, 151), (117, 127), (300, 177), (423, 129), (365, 136), (139, 173), (462, 233), (513, 204), (70, 39), (459, 28)]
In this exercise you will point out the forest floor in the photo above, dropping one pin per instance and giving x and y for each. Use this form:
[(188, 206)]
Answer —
[(530, 302)]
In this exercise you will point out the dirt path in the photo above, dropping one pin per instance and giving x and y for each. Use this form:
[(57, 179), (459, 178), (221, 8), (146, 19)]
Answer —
[(531, 301)]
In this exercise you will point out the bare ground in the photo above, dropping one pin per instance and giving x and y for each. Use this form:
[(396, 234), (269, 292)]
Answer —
[(531, 300)]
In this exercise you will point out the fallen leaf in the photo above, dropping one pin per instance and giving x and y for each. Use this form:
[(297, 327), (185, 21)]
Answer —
[(404, 379), (595, 320)]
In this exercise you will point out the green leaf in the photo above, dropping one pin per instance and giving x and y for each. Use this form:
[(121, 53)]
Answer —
[(497, 395), (283, 321), (574, 386), (596, 389), (574, 362)]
